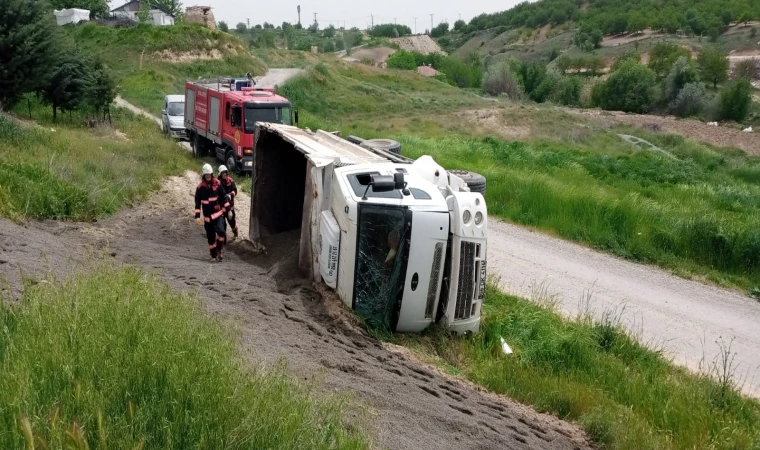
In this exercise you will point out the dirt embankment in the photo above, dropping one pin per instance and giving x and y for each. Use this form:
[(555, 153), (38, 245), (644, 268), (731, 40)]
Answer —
[(281, 315), (421, 44)]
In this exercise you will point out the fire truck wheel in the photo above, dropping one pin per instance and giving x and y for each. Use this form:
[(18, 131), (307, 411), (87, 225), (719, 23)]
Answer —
[(475, 181), (230, 161), (196, 144), (383, 144)]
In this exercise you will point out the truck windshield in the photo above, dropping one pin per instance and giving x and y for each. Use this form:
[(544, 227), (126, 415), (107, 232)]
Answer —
[(382, 255), (176, 109), (276, 114)]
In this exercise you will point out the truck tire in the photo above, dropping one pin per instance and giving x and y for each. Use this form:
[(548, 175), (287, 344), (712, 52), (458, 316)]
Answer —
[(229, 161), (383, 144), (199, 147), (475, 181)]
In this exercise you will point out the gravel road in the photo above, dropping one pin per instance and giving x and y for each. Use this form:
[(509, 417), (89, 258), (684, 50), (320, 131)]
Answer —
[(275, 77), (685, 318)]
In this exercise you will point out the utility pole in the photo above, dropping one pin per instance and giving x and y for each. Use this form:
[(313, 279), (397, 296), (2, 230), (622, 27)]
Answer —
[(431, 23), (248, 22), (315, 19), (373, 21), (299, 14), (395, 21), (415, 25)]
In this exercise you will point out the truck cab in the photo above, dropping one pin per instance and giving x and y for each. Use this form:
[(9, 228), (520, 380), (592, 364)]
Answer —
[(221, 117), (402, 244)]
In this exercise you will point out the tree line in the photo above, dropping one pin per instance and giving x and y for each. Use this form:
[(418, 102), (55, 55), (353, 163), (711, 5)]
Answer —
[(40, 60), (614, 16)]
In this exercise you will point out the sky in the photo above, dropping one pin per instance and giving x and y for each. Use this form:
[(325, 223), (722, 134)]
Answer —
[(352, 13)]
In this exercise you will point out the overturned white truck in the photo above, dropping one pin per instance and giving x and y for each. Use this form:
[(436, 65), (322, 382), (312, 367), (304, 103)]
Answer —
[(402, 242)]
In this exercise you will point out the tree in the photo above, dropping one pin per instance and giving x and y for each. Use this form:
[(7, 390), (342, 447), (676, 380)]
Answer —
[(440, 30), (28, 51), (241, 28), (629, 89), (69, 84), (173, 7), (663, 55), (689, 101), (637, 23), (143, 14), (314, 27), (459, 25), (102, 90), (735, 101), (680, 75), (98, 8), (329, 32), (223, 26), (713, 65)]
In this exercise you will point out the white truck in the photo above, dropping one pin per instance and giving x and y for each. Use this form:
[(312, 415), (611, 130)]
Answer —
[(402, 242)]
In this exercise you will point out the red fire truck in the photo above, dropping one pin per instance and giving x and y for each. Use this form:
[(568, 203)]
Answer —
[(221, 116)]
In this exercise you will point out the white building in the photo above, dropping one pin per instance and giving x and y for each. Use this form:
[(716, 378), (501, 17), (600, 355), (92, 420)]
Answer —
[(130, 10), (71, 15)]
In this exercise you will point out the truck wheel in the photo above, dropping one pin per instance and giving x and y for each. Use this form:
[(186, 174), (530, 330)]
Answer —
[(475, 181), (229, 161), (383, 144), (194, 143)]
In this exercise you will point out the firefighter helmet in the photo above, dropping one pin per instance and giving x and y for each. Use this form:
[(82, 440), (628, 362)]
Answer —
[(222, 168), (207, 169)]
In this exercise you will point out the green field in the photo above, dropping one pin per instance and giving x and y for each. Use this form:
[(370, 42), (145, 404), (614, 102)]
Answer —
[(115, 359), (624, 395)]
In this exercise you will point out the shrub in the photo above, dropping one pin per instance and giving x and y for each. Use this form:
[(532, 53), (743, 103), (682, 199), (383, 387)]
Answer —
[(567, 91), (440, 30), (747, 68), (680, 75), (629, 89), (499, 79), (735, 101), (403, 60), (630, 56), (663, 55), (689, 101), (753, 32)]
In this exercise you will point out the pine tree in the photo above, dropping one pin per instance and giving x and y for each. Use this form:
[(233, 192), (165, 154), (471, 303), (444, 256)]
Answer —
[(69, 84), (27, 53)]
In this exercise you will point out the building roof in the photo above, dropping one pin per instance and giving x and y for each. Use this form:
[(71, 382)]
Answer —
[(138, 1)]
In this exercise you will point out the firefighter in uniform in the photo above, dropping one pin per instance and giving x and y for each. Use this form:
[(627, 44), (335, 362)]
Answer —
[(212, 200), (231, 190)]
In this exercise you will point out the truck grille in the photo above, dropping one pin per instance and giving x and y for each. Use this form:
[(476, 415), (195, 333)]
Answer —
[(466, 287), (435, 274)]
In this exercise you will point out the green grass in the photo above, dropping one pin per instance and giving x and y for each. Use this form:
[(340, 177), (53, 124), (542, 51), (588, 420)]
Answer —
[(624, 395), (368, 101), (115, 359), (66, 172), (145, 75)]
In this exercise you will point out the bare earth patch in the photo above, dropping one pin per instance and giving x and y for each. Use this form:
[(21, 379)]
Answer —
[(421, 44), (184, 57), (378, 55)]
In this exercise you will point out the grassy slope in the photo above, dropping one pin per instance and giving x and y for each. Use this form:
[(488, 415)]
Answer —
[(115, 359), (626, 396), (66, 172), (144, 73)]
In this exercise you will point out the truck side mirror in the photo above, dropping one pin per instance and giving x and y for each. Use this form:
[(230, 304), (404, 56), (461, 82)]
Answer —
[(398, 180), (380, 183), (295, 113)]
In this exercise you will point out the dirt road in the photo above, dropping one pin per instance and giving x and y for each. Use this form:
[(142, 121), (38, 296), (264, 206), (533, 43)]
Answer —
[(276, 77), (281, 316), (684, 317)]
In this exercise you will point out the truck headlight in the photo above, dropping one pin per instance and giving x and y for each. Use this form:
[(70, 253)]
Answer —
[(478, 218), (466, 216)]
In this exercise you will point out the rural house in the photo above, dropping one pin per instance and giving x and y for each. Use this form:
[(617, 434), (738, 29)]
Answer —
[(71, 15), (130, 9)]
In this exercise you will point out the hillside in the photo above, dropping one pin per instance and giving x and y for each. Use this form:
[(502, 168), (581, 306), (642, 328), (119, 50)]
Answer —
[(150, 62), (699, 17)]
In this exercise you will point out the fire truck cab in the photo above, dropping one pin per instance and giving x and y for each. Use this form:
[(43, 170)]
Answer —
[(221, 117)]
